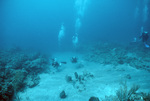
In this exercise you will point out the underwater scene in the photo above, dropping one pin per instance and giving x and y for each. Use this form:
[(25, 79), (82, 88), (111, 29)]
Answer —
[(74, 50)]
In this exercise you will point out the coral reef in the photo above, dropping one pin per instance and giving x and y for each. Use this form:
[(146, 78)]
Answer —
[(109, 53), (18, 80), (79, 81), (19, 69), (32, 80)]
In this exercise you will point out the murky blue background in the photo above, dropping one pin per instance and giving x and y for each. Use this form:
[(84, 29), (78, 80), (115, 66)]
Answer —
[(36, 24)]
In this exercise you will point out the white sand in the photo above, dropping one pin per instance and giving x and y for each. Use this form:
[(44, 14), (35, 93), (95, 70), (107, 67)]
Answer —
[(106, 81)]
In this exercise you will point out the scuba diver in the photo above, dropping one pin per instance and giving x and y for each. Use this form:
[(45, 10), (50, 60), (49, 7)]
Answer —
[(144, 36), (75, 40), (56, 64)]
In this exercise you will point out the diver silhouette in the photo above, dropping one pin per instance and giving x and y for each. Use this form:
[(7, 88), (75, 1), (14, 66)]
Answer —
[(145, 36)]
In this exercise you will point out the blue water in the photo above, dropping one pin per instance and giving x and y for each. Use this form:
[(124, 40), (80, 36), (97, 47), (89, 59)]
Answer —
[(36, 24)]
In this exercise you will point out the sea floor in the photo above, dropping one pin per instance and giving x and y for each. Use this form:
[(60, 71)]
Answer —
[(100, 80)]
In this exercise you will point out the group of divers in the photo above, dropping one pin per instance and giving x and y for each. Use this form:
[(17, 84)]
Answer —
[(57, 64), (144, 37)]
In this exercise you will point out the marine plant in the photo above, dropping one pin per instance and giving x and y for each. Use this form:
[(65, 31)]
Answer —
[(124, 94)]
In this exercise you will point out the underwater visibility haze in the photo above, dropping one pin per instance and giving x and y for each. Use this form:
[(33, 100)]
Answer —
[(36, 23), (74, 50)]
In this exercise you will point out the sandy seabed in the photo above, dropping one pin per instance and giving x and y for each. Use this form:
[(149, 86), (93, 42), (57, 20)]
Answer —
[(106, 80)]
